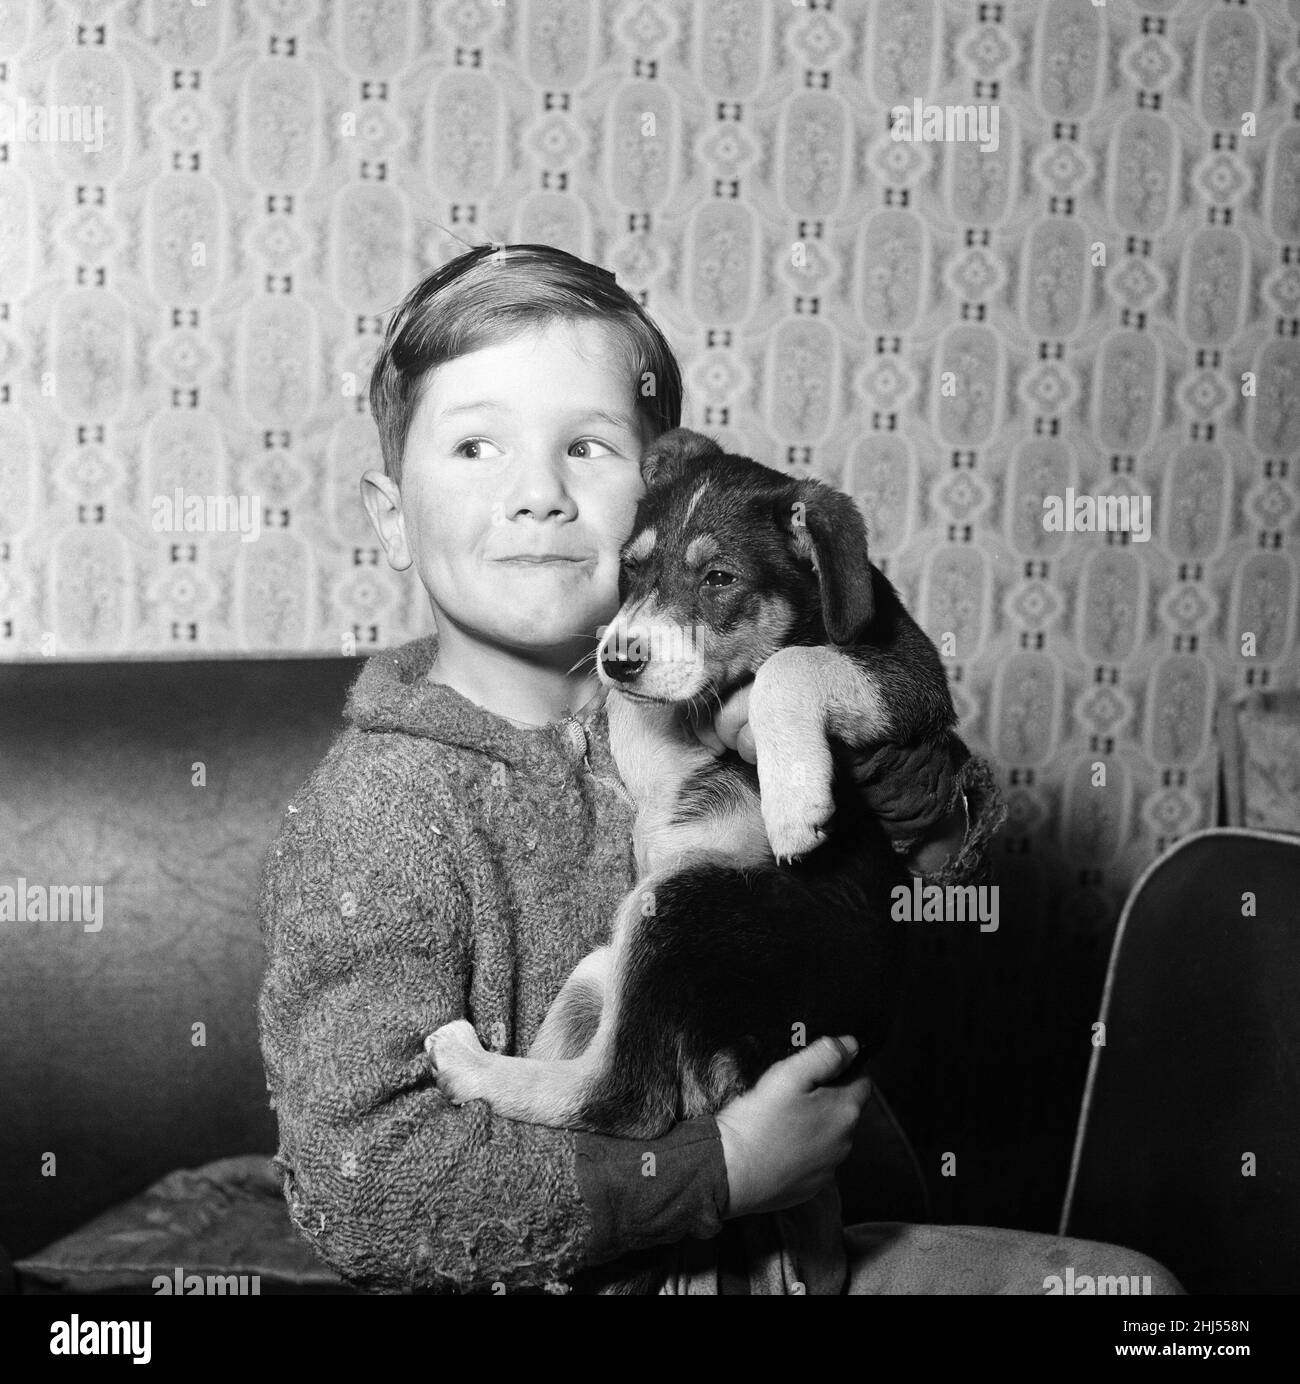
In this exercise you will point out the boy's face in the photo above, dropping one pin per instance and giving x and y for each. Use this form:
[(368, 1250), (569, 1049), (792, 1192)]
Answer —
[(519, 485)]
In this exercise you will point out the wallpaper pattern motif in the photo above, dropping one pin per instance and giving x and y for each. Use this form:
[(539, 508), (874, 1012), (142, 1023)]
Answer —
[(1106, 302)]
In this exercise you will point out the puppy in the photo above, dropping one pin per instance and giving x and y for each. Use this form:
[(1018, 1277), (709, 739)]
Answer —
[(761, 919)]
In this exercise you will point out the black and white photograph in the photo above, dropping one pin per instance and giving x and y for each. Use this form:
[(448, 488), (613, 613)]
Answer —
[(650, 647)]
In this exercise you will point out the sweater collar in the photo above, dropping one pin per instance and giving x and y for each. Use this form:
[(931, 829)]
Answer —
[(393, 693)]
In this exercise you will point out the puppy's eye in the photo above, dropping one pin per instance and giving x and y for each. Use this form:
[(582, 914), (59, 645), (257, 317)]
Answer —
[(716, 577)]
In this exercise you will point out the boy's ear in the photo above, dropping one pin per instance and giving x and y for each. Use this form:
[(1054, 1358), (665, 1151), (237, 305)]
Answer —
[(383, 502), (828, 530), (672, 450)]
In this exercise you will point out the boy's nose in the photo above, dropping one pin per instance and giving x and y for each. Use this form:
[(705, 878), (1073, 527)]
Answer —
[(539, 490)]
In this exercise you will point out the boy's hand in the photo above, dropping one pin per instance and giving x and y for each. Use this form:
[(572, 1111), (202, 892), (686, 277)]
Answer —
[(783, 1140), (729, 729)]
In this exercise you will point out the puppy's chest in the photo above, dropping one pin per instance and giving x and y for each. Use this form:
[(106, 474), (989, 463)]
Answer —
[(690, 805)]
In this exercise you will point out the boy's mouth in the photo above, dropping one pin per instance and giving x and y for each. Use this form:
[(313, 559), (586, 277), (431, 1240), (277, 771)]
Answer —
[(538, 559)]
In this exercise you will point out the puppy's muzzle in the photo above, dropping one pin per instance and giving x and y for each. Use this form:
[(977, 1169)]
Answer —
[(620, 667), (651, 657)]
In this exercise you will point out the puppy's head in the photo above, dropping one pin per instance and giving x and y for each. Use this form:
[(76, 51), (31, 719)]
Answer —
[(727, 562)]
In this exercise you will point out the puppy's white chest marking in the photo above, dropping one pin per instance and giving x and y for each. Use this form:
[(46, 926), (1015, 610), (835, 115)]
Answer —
[(656, 755)]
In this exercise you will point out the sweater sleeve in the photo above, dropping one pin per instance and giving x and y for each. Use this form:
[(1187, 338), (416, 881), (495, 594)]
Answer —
[(987, 811), (368, 938), (644, 1192), (368, 933)]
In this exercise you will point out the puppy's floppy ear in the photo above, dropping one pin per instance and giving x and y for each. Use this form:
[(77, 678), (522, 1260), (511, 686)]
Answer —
[(828, 530), (677, 447)]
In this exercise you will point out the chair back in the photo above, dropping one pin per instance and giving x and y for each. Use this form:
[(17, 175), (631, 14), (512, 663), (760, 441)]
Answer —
[(1188, 1143)]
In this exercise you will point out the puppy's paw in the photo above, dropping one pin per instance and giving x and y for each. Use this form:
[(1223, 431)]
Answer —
[(795, 787), (797, 823), (459, 1061)]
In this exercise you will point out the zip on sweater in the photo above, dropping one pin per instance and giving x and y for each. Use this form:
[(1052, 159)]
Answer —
[(575, 727)]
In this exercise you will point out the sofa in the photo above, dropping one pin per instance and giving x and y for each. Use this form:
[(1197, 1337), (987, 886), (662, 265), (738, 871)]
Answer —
[(135, 1132)]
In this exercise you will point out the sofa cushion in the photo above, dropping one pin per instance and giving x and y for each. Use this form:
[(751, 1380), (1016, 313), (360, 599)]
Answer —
[(227, 1220)]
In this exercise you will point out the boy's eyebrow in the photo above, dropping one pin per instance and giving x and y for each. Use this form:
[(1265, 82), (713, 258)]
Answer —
[(617, 420)]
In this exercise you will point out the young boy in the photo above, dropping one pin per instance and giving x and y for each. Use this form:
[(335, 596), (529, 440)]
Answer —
[(466, 842)]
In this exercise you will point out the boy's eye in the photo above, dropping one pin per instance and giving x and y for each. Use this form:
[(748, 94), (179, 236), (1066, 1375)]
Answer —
[(478, 442), (717, 577), (591, 442)]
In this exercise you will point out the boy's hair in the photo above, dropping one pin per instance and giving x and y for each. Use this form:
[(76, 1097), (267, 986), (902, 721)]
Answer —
[(493, 293)]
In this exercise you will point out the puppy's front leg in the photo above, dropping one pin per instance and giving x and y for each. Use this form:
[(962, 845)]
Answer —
[(552, 1092), (795, 694), (465, 1070), (571, 1021), (520, 1088)]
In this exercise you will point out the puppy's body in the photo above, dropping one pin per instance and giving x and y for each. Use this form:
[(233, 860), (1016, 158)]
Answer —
[(722, 959)]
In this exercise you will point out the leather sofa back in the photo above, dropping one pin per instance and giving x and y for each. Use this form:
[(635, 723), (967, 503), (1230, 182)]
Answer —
[(128, 1040)]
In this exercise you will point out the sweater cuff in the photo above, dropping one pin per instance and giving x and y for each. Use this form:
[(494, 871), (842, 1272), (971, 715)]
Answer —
[(643, 1192), (986, 811)]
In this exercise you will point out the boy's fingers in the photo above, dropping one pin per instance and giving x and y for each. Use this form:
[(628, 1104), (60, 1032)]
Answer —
[(745, 746), (729, 728), (733, 717), (859, 1089), (822, 1062), (708, 737)]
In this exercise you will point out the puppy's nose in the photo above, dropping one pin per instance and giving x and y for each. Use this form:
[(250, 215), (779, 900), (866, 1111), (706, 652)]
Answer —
[(620, 668)]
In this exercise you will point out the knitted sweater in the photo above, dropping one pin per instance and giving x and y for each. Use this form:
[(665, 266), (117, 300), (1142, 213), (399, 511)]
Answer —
[(442, 862)]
